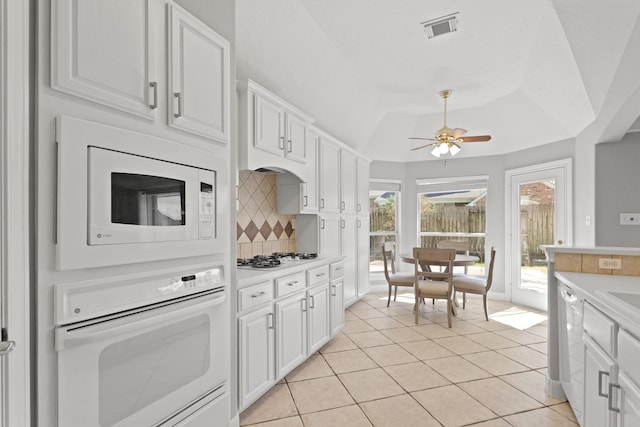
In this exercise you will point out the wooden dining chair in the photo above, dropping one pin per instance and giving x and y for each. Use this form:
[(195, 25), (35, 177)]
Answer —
[(433, 284), (461, 246), (394, 279), (475, 285)]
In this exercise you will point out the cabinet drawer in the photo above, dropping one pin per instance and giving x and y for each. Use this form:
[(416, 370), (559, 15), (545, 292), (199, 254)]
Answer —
[(255, 295), (628, 350), (337, 269), (318, 275), (600, 328), (292, 283)]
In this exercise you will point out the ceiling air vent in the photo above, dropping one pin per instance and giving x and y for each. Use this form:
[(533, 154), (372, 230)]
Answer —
[(439, 26)]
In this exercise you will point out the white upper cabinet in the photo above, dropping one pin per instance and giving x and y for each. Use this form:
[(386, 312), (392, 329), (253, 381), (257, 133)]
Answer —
[(348, 182), (362, 208), (104, 51), (268, 126), (199, 67), (94, 58), (329, 177), (296, 137)]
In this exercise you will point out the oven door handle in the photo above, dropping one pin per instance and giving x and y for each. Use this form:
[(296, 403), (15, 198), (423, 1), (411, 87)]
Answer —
[(74, 336)]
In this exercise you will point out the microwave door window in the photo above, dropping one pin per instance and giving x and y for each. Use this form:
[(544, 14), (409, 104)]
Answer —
[(147, 200)]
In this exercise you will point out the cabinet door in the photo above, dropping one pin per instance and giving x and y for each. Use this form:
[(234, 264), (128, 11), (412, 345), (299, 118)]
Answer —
[(329, 236), (296, 148), (362, 187), (629, 415), (348, 181), (291, 338), (337, 305), (256, 358), (268, 125), (94, 59), (599, 371), (363, 255), (349, 248), (319, 325), (199, 68), (329, 177), (310, 188)]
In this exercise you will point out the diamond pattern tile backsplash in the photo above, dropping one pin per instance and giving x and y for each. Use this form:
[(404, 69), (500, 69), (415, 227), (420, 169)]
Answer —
[(260, 229)]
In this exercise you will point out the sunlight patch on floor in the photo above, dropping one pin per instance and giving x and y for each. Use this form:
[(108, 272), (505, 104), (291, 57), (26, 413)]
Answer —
[(518, 318)]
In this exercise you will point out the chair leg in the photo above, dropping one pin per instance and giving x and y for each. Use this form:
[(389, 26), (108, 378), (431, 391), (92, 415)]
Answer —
[(433, 301), (416, 308), (395, 293), (449, 310), (389, 298), (484, 301), (464, 300)]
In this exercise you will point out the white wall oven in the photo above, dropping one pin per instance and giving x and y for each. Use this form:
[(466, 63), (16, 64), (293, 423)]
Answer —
[(143, 351), (125, 197)]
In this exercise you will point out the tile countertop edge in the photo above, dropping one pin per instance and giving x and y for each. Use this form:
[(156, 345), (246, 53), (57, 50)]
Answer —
[(599, 250), (246, 277), (594, 287)]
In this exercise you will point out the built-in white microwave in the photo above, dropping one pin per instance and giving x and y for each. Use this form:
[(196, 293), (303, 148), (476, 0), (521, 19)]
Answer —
[(126, 197)]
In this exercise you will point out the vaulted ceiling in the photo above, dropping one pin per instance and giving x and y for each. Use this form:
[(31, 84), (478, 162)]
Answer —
[(526, 72)]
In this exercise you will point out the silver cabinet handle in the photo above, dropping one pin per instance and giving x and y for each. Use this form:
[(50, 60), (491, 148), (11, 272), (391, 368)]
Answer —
[(306, 201), (359, 223), (320, 274), (179, 96), (359, 207), (322, 203), (338, 268), (610, 400), (295, 282), (258, 294), (322, 224), (281, 143), (7, 347), (270, 321), (154, 86), (600, 382), (304, 304), (343, 205), (343, 223), (290, 146), (312, 304), (335, 290)]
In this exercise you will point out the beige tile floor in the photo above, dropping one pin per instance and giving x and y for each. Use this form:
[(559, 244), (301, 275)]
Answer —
[(384, 370)]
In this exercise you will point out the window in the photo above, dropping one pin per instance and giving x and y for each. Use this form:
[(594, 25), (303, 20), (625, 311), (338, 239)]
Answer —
[(384, 200), (454, 209)]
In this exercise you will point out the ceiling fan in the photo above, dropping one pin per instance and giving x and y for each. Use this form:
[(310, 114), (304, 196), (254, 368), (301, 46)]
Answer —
[(447, 140)]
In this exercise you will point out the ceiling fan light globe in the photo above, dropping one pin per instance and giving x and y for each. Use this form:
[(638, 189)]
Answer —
[(454, 149), (435, 152), (443, 148)]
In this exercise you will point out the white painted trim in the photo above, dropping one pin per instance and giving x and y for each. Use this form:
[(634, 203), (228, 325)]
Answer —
[(567, 165), (14, 206)]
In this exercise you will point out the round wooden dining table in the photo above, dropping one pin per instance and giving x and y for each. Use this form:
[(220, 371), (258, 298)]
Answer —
[(461, 260)]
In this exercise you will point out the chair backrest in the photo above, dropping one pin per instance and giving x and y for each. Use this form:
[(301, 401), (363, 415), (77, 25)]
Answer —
[(389, 258), (428, 256), (490, 274), (458, 245)]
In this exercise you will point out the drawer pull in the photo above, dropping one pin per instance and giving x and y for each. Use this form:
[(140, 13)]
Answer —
[(154, 86), (600, 382), (295, 282), (610, 400), (338, 268), (304, 304), (333, 288), (258, 294), (179, 96), (313, 303), (320, 274)]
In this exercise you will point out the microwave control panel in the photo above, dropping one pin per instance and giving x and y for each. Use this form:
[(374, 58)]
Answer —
[(207, 206)]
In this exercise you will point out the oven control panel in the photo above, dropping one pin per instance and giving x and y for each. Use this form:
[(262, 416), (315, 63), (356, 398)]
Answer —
[(85, 300)]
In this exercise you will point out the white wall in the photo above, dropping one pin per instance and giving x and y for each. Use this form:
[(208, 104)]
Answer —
[(617, 191)]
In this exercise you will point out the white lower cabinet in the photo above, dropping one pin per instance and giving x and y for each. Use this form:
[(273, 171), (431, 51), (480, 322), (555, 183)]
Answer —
[(319, 325), (256, 364), (599, 371), (349, 248), (291, 336), (629, 415), (278, 333)]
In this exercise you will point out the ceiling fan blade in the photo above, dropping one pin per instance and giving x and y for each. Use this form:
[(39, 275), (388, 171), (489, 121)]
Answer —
[(422, 146), (457, 132), (479, 138), (417, 137)]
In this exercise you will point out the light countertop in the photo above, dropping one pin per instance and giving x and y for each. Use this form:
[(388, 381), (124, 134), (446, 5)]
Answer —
[(248, 276)]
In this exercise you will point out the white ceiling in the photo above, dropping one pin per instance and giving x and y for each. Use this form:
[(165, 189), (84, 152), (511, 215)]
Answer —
[(526, 72)]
